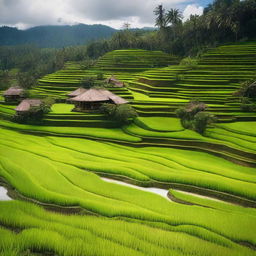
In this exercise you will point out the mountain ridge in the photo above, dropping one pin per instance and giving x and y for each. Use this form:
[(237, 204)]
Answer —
[(55, 36)]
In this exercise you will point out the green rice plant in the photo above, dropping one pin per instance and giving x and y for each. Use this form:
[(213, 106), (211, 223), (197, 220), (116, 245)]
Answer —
[(60, 179), (159, 123), (211, 202), (247, 128), (111, 134), (44, 231)]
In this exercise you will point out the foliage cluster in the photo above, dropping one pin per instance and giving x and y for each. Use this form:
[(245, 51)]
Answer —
[(87, 63), (193, 116), (88, 82), (189, 62), (95, 82), (122, 114), (247, 94)]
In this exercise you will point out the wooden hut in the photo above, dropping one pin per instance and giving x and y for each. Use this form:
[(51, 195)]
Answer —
[(26, 105), (92, 99), (115, 82), (14, 94)]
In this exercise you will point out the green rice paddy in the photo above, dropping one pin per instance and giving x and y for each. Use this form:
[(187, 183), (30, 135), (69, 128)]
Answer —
[(53, 169)]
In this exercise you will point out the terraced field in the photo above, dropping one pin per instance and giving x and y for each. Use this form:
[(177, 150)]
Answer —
[(121, 63), (59, 84), (54, 170), (218, 75)]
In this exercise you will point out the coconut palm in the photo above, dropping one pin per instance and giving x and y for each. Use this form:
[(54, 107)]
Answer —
[(160, 19), (174, 17)]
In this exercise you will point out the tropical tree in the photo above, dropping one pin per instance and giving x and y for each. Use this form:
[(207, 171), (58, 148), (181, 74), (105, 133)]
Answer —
[(123, 114), (174, 17), (193, 116), (160, 16)]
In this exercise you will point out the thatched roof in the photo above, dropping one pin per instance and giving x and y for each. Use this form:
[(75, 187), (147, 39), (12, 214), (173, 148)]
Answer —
[(114, 81), (99, 95), (14, 91), (77, 92), (117, 100), (26, 104)]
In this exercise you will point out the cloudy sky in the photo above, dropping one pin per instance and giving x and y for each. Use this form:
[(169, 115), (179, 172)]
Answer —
[(139, 13)]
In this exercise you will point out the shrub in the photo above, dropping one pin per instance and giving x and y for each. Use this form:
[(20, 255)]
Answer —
[(248, 104), (88, 82), (247, 89), (120, 113), (190, 110), (34, 114), (247, 94), (46, 105), (201, 120), (20, 118), (194, 117), (189, 62), (87, 63), (108, 109)]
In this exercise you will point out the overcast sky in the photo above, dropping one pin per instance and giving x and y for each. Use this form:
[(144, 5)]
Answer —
[(139, 13)]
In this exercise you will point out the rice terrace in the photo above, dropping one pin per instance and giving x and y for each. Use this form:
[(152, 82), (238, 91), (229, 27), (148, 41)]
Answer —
[(139, 144)]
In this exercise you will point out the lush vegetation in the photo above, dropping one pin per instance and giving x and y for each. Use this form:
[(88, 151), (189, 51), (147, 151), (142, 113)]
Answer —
[(193, 116), (222, 21), (53, 169), (23, 65), (122, 114), (90, 235)]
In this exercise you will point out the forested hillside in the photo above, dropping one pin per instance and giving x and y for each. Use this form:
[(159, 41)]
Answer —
[(55, 36)]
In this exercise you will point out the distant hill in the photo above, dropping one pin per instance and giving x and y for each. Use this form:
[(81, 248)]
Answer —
[(55, 36)]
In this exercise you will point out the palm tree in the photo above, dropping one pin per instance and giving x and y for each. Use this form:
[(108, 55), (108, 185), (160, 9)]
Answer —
[(160, 19), (174, 17)]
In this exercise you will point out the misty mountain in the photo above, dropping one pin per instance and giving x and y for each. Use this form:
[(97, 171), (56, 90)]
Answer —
[(55, 36)]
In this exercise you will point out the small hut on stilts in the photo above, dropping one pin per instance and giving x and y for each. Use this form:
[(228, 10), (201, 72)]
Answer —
[(92, 99), (14, 94)]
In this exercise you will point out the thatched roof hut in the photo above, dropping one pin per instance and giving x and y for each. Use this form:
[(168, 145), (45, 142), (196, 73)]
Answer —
[(77, 92), (113, 80), (27, 104), (14, 94), (92, 99), (99, 95), (14, 91)]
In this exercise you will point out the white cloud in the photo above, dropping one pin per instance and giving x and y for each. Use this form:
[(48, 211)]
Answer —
[(139, 13), (192, 9)]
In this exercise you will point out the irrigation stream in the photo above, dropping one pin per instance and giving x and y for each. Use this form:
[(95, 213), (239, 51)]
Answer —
[(3, 194), (158, 191)]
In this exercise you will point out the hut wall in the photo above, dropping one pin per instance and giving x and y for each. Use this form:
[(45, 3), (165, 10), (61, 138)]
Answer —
[(12, 98)]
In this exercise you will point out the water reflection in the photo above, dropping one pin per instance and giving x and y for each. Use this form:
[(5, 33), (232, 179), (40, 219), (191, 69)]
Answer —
[(158, 191), (3, 194)]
